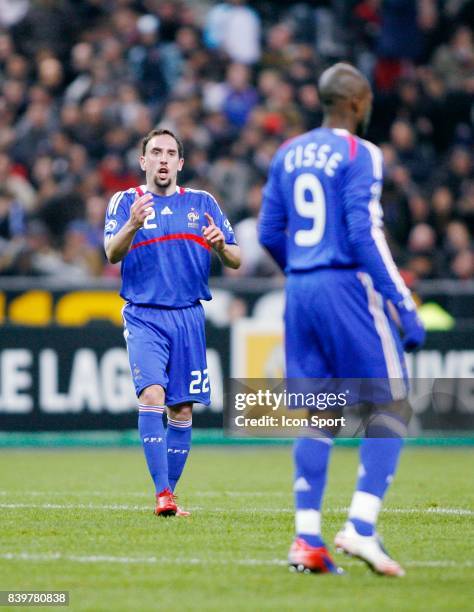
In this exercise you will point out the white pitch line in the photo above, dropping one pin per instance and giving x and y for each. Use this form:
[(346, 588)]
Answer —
[(336, 510), (56, 556), (136, 508), (436, 510), (106, 494), (49, 506), (433, 510), (141, 494), (130, 560)]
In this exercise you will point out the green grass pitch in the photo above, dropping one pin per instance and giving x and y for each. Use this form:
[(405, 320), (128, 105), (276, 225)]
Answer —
[(81, 520)]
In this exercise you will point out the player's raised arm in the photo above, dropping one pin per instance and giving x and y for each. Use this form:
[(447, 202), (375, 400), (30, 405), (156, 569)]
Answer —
[(362, 188), (228, 253), (118, 245), (273, 218)]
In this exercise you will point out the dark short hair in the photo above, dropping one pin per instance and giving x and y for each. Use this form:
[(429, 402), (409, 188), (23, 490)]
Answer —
[(160, 132)]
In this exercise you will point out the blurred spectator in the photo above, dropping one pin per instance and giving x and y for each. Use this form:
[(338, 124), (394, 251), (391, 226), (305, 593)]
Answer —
[(414, 158), (442, 202), (454, 62), (231, 179), (146, 61), (459, 170), (423, 260), (79, 259), (309, 103), (12, 228), (114, 175), (93, 127), (41, 25), (50, 75), (276, 53), (240, 98), (422, 239), (255, 260), (13, 11), (465, 205), (462, 266), (235, 28), (33, 133), (400, 35), (94, 221), (457, 237), (13, 180), (234, 82), (39, 258)]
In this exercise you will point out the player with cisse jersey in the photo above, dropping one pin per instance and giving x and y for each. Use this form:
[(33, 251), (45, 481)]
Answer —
[(164, 234), (321, 220)]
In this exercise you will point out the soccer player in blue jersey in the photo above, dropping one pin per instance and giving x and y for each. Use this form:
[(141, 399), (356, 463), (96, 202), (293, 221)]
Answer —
[(322, 222), (164, 235)]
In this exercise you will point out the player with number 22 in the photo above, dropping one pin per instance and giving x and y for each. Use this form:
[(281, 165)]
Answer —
[(164, 235)]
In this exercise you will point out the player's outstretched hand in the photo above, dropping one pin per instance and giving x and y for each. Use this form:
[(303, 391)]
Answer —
[(414, 333), (140, 210), (213, 235)]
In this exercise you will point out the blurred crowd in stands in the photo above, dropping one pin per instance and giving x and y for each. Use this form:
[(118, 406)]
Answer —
[(82, 82)]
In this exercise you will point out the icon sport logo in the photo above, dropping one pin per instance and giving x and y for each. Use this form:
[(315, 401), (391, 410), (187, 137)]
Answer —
[(193, 217)]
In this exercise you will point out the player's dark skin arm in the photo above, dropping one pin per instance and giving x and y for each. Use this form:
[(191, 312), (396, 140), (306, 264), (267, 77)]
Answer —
[(229, 254), (119, 245)]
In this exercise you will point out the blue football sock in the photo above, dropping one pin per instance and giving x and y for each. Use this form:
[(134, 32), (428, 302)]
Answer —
[(311, 457), (378, 462), (153, 437), (178, 440)]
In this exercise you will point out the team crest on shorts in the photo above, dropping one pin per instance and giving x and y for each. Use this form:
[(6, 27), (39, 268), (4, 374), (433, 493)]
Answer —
[(193, 217)]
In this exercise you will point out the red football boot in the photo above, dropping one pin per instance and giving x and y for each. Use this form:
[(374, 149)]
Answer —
[(311, 559), (166, 503)]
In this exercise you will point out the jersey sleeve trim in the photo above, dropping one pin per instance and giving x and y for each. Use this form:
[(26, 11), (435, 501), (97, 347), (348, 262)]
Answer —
[(382, 326), (352, 146), (117, 198), (375, 213), (351, 141), (114, 202), (376, 158)]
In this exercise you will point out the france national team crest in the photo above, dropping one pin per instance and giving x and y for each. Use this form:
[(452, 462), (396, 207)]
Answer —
[(193, 217)]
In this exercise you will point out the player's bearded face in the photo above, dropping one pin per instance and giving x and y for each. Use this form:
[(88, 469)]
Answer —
[(166, 171), (161, 162), (162, 180)]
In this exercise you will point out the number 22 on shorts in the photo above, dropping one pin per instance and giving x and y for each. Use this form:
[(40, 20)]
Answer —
[(199, 382)]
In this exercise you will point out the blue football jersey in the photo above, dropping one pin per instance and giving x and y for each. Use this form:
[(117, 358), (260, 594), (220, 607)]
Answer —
[(321, 208), (169, 259)]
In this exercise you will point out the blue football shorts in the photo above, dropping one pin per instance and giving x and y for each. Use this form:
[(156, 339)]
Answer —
[(338, 326), (167, 347)]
